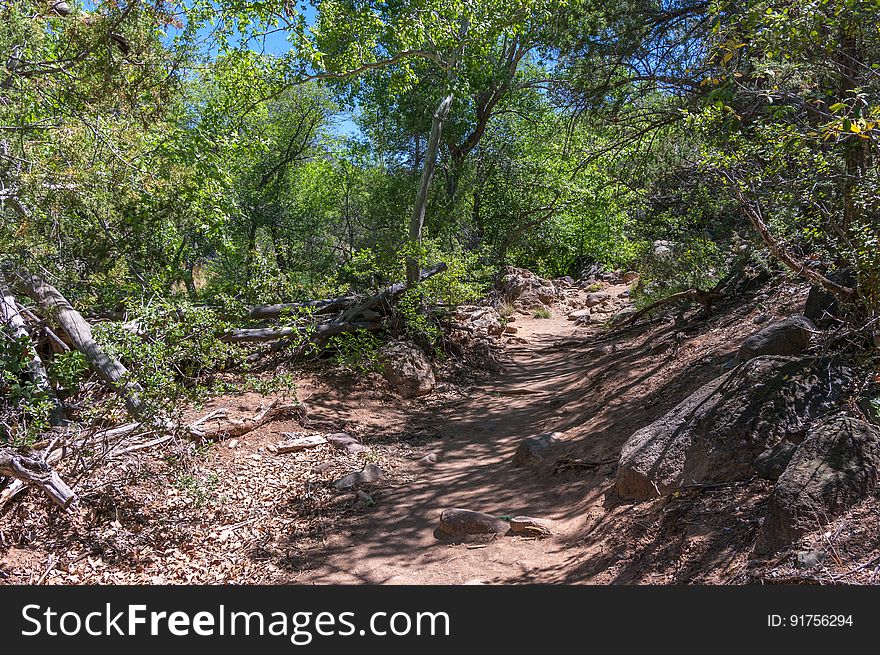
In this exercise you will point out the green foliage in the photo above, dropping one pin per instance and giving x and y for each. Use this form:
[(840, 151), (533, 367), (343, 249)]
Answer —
[(358, 352), (24, 407), (541, 312), (171, 349)]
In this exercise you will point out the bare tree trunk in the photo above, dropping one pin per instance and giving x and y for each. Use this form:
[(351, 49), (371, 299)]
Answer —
[(11, 318), (418, 218), (108, 368)]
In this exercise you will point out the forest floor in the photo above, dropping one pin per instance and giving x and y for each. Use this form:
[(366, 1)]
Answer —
[(235, 512)]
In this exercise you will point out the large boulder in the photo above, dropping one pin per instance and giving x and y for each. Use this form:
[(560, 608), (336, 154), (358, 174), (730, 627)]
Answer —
[(718, 433), (523, 288), (408, 369), (790, 336), (835, 467)]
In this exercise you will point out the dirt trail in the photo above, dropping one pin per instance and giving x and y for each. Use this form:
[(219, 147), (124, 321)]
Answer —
[(394, 543), (236, 513)]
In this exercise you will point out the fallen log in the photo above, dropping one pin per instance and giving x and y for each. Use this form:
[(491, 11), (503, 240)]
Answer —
[(321, 331), (327, 306), (12, 320), (108, 368), (386, 296), (36, 472)]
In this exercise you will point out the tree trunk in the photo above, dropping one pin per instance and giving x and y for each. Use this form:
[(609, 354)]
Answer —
[(108, 368), (418, 218), (14, 323)]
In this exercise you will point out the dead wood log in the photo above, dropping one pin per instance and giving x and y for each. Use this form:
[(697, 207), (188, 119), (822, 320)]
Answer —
[(236, 428), (12, 320), (386, 296), (321, 331), (108, 368), (327, 306), (32, 471)]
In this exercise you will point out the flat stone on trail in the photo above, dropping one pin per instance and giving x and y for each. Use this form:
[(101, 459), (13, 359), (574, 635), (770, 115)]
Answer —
[(528, 526), (458, 523), (534, 450), (429, 460), (346, 442), (573, 316), (370, 473), (297, 443)]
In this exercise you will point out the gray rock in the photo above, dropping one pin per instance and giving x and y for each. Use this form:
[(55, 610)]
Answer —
[(458, 524), (369, 474), (807, 559), (532, 452), (596, 298), (835, 467), (408, 369), (717, 433), (772, 462), (761, 318), (346, 442), (790, 336), (580, 313), (429, 460)]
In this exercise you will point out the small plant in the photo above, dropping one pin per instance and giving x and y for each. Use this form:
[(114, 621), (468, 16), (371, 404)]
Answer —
[(359, 352), (506, 310), (541, 312), (594, 287)]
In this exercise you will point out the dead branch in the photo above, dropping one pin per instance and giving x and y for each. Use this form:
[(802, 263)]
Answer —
[(32, 471), (10, 318)]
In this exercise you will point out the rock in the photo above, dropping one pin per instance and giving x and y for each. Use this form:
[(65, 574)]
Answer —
[(528, 526), (630, 277), (296, 443), (509, 329), (662, 249), (623, 315), (820, 307), (456, 524), (346, 442), (567, 280), (807, 559), (772, 462), (533, 451), (787, 337), (761, 318), (370, 473), (408, 369), (365, 498), (835, 467), (573, 316), (583, 319), (429, 460), (525, 289), (717, 433), (596, 298), (624, 294)]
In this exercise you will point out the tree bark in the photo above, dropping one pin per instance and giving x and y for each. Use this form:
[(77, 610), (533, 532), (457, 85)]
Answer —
[(417, 221), (108, 368), (36, 472), (12, 319)]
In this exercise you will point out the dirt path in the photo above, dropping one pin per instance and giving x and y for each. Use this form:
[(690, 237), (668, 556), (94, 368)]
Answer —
[(393, 543)]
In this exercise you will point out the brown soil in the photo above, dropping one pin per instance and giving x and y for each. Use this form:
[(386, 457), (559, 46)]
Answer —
[(235, 512)]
